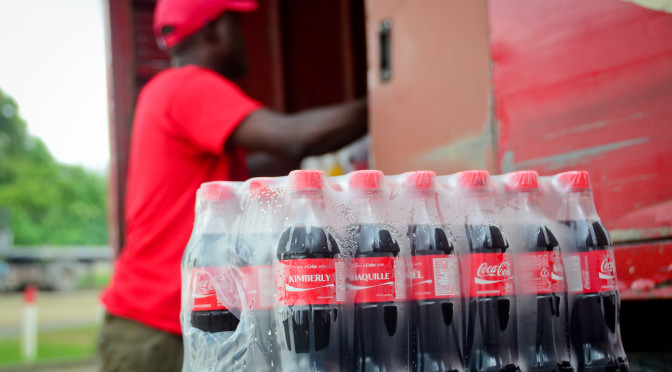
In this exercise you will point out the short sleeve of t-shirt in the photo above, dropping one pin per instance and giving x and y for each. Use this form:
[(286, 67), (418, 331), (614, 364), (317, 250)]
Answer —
[(207, 109)]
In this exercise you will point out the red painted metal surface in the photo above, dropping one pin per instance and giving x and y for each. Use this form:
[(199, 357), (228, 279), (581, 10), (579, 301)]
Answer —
[(121, 96), (645, 270), (588, 85), (149, 59), (264, 81)]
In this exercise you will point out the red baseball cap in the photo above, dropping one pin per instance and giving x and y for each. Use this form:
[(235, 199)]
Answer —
[(174, 20)]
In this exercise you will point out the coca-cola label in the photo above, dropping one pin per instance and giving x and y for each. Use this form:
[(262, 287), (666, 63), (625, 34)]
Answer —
[(435, 276), (540, 272), (204, 295), (491, 275), (592, 271), (306, 282), (374, 279)]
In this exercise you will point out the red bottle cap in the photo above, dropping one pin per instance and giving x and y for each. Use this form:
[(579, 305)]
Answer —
[(473, 179), (420, 180), (366, 179), (573, 181), (217, 190), (262, 187), (306, 180), (521, 181)]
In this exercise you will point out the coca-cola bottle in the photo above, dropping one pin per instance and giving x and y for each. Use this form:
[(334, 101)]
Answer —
[(491, 337), (375, 282), (543, 322), (205, 256), (308, 312), (591, 274), (258, 242), (206, 322), (436, 310)]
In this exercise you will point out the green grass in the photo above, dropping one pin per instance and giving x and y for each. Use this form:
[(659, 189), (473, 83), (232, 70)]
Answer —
[(98, 279), (56, 345)]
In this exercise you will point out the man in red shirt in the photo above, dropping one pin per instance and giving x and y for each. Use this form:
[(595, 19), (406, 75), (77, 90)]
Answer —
[(193, 125)]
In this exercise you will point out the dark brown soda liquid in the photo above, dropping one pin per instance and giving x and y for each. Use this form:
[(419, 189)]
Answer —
[(435, 323), (312, 330), (595, 317)]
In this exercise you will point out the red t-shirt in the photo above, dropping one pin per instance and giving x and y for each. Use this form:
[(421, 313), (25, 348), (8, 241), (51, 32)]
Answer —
[(182, 121)]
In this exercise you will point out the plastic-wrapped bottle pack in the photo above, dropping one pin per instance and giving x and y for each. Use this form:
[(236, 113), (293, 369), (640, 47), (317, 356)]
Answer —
[(412, 272)]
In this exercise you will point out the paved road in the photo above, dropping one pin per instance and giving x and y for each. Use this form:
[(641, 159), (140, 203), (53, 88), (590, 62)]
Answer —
[(55, 310)]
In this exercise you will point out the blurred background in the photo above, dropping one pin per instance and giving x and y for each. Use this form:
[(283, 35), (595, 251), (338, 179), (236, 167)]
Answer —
[(54, 159), (551, 85)]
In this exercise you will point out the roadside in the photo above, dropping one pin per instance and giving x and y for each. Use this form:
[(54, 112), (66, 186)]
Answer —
[(88, 365), (56, 310), (68, 324)]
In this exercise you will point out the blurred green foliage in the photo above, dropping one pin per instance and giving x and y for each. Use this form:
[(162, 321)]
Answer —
[(49, 202)]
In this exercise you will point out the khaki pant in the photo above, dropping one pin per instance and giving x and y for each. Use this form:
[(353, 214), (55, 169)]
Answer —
[(126, 345)]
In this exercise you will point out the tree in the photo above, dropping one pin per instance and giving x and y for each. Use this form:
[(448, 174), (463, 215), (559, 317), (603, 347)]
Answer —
[(49, 202)]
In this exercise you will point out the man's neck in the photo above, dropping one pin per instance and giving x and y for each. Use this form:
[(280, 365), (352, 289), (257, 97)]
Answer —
[(181, 61), (194, 57)]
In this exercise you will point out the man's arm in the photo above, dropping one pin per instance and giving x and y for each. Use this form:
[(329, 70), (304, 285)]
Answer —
[(264, 164), (311, 132)]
